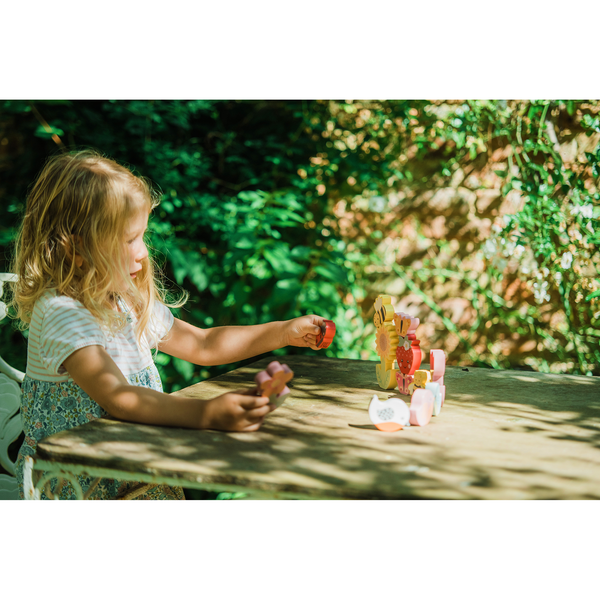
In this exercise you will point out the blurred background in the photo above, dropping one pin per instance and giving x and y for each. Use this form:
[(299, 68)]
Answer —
[(478, 217)]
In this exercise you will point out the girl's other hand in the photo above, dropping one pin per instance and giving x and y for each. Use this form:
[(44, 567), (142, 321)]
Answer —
[(302, 331), (241, 410)]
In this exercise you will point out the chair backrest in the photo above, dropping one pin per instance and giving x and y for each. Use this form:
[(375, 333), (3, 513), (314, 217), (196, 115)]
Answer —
[(10, 419)]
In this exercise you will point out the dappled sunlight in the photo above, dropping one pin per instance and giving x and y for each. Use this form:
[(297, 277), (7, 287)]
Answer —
[(496, 437)]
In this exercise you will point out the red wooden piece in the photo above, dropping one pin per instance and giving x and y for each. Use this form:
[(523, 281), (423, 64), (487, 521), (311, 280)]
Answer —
[(409, 358), (327, 334)]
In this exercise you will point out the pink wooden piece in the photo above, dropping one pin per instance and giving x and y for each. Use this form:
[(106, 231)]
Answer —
[(273, 380), (407, 325), (421, 407), (403, 382), (414, 323), (437, 359), (279, 399)]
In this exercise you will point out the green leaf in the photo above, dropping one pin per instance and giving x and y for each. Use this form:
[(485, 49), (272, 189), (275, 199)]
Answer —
[(279, 258), (244, 241), (47, 134), (291, 283), (595, 294), (184, 368)]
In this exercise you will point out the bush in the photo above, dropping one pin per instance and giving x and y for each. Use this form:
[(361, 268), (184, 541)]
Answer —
[(478, 216)]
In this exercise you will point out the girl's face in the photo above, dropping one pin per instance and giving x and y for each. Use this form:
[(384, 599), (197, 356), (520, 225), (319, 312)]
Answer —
[(136, 250)]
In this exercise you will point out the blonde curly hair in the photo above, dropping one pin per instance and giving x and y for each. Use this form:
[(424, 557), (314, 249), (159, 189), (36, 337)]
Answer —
[(81, 204)]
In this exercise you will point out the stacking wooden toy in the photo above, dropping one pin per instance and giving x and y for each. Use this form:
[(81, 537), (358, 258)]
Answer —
[(396, 338), (388, 415), (272, 382), (327, 334)]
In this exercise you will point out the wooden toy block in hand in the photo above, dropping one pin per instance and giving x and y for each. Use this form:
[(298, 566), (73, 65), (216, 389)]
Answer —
[(327, 334), (272, 382)]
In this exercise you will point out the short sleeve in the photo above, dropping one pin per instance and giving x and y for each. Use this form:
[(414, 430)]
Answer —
[(67, 326), (160, 323)]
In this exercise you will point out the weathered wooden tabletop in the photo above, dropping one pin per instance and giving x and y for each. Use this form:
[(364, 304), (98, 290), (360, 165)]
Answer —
[(500, 435)]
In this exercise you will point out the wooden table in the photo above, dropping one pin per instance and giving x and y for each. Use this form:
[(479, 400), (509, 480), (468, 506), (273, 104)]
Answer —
[(500, 435)]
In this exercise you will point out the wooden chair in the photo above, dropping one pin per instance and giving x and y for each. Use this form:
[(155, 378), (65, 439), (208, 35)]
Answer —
[(10, 419)]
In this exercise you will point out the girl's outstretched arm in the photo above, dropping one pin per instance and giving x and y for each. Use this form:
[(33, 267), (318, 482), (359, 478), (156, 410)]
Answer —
[(97, 374), (223, 345)]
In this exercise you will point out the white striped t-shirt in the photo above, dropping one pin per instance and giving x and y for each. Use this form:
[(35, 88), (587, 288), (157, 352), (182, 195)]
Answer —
[(61, 325)]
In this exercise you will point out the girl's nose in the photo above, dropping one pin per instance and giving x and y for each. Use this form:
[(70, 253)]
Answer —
[(143, 253)]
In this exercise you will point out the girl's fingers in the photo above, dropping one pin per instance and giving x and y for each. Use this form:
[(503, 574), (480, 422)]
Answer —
[(258, 413), (250, 402), (311, 344), (253, 426)]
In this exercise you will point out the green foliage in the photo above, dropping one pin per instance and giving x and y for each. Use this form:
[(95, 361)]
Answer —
[(232, 227), (543, 232), (554, 231), (274, 209)]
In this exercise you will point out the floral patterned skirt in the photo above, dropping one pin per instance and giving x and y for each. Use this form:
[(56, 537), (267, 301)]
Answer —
[(49, 407)]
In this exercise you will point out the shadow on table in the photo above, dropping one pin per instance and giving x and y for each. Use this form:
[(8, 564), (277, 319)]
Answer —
[(321, 444)]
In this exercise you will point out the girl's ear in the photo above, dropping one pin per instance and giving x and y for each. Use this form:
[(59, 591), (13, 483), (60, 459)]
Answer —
[(77, 257)]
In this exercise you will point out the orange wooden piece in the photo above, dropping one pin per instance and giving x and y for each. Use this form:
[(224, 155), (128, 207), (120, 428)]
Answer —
[(272, 381), (388, 426)]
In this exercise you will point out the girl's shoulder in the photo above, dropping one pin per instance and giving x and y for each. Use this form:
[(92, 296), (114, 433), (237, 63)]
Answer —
[(51, 301), (53, 310), (59, 326)]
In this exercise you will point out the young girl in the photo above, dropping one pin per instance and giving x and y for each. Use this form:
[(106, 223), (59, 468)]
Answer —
[(88, 293)]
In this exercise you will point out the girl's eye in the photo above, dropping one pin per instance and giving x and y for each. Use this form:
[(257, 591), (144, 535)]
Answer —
[(131, 241)]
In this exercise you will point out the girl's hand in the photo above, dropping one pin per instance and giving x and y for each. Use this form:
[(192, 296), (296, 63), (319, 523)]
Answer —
[(241, 410), (302, 331)]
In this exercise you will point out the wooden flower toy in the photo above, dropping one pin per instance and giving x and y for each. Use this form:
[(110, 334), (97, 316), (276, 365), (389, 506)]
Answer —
[(327, 334), (388, 415), (386, 342), (272, 382)]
